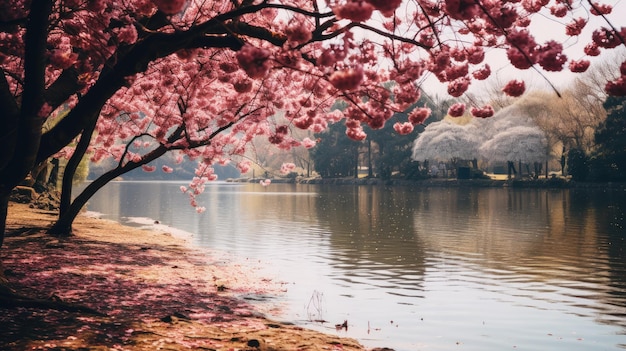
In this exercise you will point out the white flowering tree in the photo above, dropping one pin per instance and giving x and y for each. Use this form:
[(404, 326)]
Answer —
[(520, 143), (445, 140), (509, 136)]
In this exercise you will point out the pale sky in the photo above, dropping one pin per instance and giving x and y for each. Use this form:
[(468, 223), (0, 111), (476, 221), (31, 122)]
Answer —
[(543, 29)]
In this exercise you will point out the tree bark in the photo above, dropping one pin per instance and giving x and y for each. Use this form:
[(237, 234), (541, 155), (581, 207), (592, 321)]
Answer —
[(24, 127), (72, 165), (4, 206), (63, 226)]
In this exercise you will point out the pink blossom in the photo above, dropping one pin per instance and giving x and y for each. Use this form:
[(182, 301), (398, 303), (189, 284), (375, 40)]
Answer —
[(287, 167), (592, 49), (45, 110), (558, 10), (347, 79), (200, 209), (482, 73), (462, 9), (127, 34), (377, 121), (456, 71), (439, 60), (282, 129), (276, 138), (170, 7), (575, 27), (144, 7), (167, 169), (458, 87), (459, 54), (606, 38), (406, 94), (403, 128), (356, 133), (328, 58), (534, 5), (520, 59), (456, 110), (228, 67), (523, 21), (550, 56), (335, 116), (298, 33), (242, 85), (244, 166), (616, 87), (521, 51), (503, 15), (514, 88), (265, 182), (183, 188), (303, 123), (308, 143), (475, 55), (386, 7), (254, 61), (600, 9), (96, 5), (579, 66), (63, 59), (354, 10), (148, 168), (419, 115), (484, 112)]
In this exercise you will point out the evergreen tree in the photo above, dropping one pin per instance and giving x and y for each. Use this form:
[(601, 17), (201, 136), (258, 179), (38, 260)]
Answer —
[(392, 152), (335, 155), (610, 161), (577, 164)]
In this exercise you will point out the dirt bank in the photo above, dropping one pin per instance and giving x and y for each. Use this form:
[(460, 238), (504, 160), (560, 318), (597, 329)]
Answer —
[(152, 292)]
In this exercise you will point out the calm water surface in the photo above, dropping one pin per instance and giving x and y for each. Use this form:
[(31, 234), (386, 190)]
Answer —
[(419, 269)]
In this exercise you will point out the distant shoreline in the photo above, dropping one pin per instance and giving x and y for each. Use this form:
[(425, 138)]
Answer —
[(551, 183)]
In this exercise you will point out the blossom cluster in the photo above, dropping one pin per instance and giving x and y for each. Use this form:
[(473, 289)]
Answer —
[(206, 79)]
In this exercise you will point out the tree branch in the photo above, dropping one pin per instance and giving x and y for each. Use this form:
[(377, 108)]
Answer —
[(8, 119), (28, 132), (62, 88), (35, 57)]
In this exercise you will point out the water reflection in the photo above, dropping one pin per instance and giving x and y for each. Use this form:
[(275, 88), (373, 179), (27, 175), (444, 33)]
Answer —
[(415, 268)]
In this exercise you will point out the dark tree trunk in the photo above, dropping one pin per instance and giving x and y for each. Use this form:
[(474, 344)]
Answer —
[(21, 124), (4, 206), (63, 226), (370, 170), (72, 165)]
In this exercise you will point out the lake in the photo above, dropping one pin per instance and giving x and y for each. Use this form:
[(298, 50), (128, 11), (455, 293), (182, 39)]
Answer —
[(417, 268)]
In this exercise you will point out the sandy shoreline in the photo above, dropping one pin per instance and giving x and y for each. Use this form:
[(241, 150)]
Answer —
[(154, 290)]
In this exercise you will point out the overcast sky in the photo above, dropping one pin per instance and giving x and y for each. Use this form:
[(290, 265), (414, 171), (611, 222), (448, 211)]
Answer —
[(544, 29)]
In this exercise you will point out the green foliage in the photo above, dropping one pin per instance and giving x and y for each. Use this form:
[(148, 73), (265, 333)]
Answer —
[(335, 155), (577, 164), (393, 151), (390, 153), (610, 160)]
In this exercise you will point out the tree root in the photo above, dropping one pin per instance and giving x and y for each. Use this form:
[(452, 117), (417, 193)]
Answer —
[(11, 300)]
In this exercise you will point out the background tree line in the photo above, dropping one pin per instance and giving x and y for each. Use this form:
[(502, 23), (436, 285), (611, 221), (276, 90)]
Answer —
[(583, 128)]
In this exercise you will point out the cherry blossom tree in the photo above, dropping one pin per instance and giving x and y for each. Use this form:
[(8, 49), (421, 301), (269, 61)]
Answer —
[(134, 79)]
